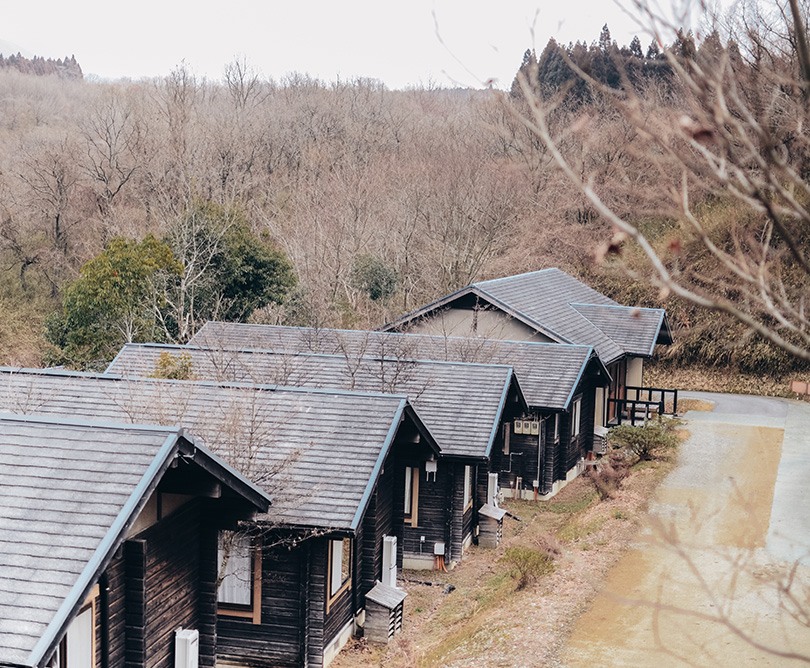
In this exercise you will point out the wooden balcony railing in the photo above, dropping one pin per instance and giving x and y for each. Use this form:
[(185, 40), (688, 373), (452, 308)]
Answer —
[(642, 403), (654, 394), (632, 411)]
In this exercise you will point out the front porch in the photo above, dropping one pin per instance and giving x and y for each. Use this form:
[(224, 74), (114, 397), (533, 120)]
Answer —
[(639, 404)]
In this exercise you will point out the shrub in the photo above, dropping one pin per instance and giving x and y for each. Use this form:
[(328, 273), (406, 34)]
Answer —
[(645, 441), (174, 367), (549, 545), (527, 564), (609, 474)]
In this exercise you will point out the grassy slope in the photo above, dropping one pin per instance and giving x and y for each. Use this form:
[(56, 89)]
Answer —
[(487, 620)]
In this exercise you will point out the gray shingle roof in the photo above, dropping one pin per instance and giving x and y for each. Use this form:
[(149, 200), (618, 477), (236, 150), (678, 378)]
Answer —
[(67, 493), (545, 300), (316, 452), (461, 404), (634, 329), (548, 373)]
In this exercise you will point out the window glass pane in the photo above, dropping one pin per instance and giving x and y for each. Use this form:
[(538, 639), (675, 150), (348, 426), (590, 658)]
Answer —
[(346, 561), (467, 476), (235, 568), (79, 641), (335, 576), (408, 484)]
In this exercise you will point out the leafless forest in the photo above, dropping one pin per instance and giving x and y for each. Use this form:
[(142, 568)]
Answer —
[(429, 188)]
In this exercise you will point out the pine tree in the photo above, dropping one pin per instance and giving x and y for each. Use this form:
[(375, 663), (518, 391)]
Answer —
[(635, 47), (604, 39)]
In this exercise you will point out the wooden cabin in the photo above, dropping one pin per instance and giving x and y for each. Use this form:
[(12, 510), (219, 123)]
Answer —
[(561, 385), (551, 306), (464, 405), (329, 459), (108, 543)]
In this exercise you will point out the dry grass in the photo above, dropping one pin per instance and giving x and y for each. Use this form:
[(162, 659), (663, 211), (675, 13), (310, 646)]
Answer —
[(716, 380), (488, 620), (685, 405)]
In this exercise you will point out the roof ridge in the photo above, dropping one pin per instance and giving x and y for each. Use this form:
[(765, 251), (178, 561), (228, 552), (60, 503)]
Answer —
[(633, 308), (63, 420), (298, 353), (525, 273), (401, 334), (200, 383)]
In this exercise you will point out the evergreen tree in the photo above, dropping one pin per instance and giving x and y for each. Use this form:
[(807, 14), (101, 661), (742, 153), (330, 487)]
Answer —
[(604, 39), (635, 47)]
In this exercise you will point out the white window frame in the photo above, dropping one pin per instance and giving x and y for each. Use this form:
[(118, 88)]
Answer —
[(576, 417), (411, 501), (336, 583), (74, 633), (249, 578), (467, 503)]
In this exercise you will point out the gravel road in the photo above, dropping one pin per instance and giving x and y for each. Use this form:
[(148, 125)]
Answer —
[(708, 582)]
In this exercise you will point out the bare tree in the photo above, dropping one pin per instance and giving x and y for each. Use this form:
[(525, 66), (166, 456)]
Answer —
[(739, 134)]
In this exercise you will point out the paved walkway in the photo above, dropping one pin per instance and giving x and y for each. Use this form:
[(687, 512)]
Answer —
[(702, 585), (788, 535)]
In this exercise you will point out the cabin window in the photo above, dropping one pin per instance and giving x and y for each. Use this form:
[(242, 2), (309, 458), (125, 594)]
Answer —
[(576, 414), (340, 568), (506, 433), (78, 646), (239, 576), (556, 433), (411, 495), (467, 487)]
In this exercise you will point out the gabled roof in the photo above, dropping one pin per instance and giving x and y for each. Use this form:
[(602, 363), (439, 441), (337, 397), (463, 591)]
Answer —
[(461, 404), (318, 453), (545, 299), (70, 491), (636, 330), (548, 373)]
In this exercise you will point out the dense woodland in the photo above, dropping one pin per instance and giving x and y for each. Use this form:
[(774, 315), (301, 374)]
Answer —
[(64, 68), (359, 203)]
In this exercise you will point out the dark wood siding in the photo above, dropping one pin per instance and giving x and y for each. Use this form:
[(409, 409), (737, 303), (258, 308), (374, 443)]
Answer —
[(462, 519), (550, 456), (577, 447), (378, 522), (172, 585), (278, 640), (433, 510), (115, 613), (316, 613), (522, 460), (207, 611), (135, 596)]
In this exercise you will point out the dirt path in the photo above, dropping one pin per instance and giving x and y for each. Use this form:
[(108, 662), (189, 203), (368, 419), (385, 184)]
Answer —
[(700, 586)]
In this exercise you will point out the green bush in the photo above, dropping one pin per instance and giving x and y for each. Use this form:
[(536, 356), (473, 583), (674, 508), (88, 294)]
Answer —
[(527, 564), (645, 441), (174, 367)]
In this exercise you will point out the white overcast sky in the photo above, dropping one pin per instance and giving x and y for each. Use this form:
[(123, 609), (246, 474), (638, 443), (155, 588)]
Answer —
[(395, 41)]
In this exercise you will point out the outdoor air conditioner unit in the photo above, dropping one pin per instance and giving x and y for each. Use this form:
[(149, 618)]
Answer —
[(186, 648), (389, 567)]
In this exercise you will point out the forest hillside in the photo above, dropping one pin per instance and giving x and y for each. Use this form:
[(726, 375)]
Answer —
[(360, 203)]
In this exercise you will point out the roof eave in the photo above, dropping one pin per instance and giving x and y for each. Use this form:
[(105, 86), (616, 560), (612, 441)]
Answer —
[(389, 440), (217, 468), (103, 554)]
